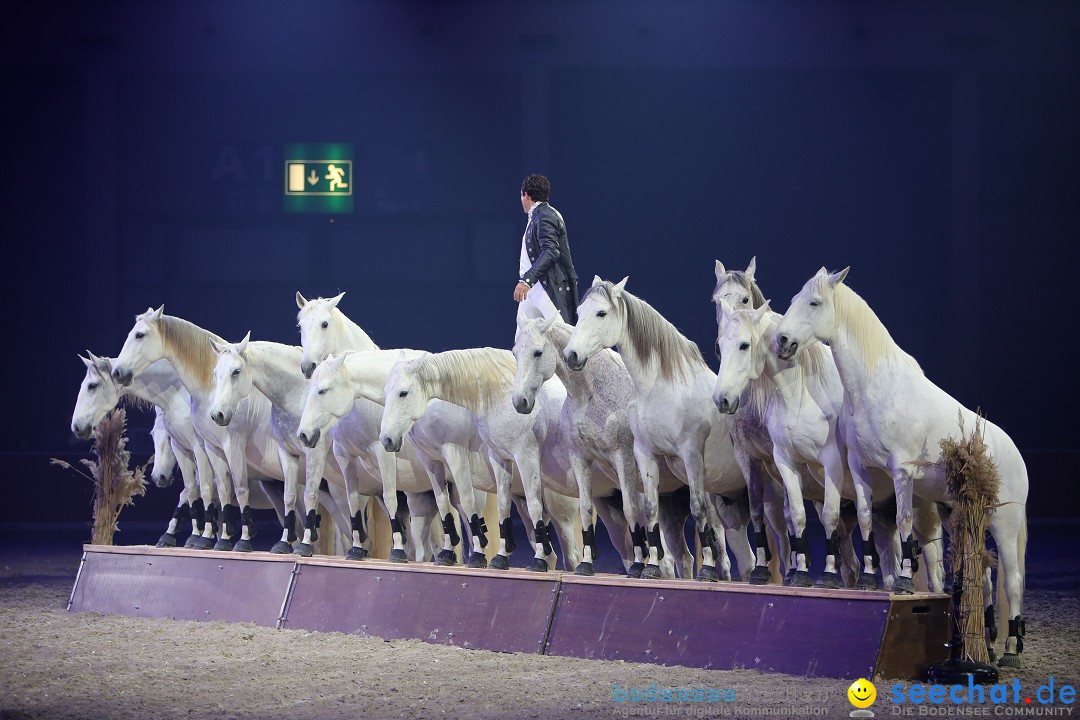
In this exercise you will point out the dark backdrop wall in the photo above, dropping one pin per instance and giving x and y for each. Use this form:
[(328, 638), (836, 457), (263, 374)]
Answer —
[(934, 148)]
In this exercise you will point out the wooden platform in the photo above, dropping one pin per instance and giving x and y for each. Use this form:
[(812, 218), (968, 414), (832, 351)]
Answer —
[(808, 632)]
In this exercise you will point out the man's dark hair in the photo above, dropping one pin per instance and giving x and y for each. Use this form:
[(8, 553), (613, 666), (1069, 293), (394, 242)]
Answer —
[(537, 187)]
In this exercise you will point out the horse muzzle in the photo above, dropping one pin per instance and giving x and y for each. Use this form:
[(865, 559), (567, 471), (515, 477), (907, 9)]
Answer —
[(785, 347), (124, 377), (574, 362), (82, 432), (162, 480), (308, 368), (309, 441), (524, 405), (392, 444), (728, 407), (221, 418)]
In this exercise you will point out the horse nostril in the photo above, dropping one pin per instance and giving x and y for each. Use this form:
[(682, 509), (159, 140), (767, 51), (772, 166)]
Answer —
[(783, 340), (307, 369), (724, 404)]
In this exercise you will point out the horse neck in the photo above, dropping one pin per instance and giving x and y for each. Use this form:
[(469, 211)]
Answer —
[(643, 375), (275, 370), (579, 384), (442, 389), (198, 385), (353, 336), (158, 384), (851, 350), (369, 371), (786, 379)]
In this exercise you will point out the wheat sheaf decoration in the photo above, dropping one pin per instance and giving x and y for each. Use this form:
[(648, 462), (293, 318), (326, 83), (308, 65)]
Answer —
[(972, 479), (115, 483)]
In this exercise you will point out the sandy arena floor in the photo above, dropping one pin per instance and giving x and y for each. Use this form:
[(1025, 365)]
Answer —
[(60, 665)]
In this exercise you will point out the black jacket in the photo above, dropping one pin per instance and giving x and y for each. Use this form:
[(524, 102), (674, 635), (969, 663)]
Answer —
[(549, 251)]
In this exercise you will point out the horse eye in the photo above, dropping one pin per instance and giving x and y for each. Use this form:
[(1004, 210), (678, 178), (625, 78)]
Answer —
[(745, 300), (538, 353), (716, 349), (139, 335), (744, 346), (601, 313), (92, 387), (325, 324), (322, 391), (403, 393), (814, 303), (236, 372)]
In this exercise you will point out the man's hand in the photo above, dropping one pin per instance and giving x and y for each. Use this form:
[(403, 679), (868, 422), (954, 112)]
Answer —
[(521, 291)]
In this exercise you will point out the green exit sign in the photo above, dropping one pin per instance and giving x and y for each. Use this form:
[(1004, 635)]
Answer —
[(319, 177)]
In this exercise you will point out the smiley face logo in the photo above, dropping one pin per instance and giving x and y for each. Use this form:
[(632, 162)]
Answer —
[(862, 693)]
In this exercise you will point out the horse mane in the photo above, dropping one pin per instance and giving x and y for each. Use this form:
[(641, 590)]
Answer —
[(189, 347), (469, 378), (757, 298), (651, 334), (342, 319), (870, 336)]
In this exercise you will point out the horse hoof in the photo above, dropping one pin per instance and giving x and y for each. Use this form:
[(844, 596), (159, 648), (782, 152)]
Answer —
[(903, 586), (708, 574), (1010, 660), (398, 555), (304, 550), (223, 544), (192, 541), (635, 570), (800, 578), (760, 575), (242, 546), (828, 580), (867, 581), (167, 540), (651, 572), (281, 548), (499, 562), (537, 565), (356, 553), (477, 560), (202, 543), (584, 568), (446, 557)]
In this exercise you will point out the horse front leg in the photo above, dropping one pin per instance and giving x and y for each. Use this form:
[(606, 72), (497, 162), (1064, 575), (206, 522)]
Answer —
[(216, 514), (583, 475), (503, 473), (457, 459), (528, 463), (864, 508), (754, 472), (188, 494), (388, 472), (709, 533), (796, 512), (361, 543), (904, 485), (436, 472), (290, 467), (833, 465), (204, 471), (649, 471), (238, 472)]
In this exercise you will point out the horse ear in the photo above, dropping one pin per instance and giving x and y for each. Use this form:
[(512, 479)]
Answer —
[(218, 349), (301, 301), (334, 362), (242, 346), (596, 280), (546, 325), (751, 268), (720, 270), (156, 315), (761, 312), (336, 299), (90, 364), (725, 308), (838, 277), (621, 285)]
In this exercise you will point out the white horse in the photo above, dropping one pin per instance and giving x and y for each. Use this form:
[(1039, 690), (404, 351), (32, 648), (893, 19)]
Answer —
[(672, 415), (798, 404), (247, 442), (445, 439), (481, 380), (99, 393), (273, 370), (595, 414), (898, 420)]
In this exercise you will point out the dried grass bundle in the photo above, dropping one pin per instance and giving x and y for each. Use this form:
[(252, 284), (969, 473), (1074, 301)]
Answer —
[(973, 482), (115, 484)]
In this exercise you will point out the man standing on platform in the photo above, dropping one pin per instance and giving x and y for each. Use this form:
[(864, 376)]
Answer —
[(545, 258)]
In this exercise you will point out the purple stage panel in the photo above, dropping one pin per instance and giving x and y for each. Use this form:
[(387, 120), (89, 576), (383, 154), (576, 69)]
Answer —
[(507, 611), (813, 633), (182, 584)]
